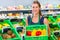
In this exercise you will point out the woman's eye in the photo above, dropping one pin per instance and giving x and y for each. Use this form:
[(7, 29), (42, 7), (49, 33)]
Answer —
[(36, 7), (33, 7)]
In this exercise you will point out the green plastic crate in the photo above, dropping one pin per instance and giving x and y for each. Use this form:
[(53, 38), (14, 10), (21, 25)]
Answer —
[(0, 37), (51, 19), (13, 30), (0, 34), (16, 38), (21, 22), (31, 27), (52, 36)]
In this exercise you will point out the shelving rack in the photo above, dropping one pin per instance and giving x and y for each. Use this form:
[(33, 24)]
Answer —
[(27, 10)]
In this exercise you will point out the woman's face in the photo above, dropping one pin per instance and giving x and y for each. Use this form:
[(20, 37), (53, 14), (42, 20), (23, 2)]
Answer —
[(35, 8)]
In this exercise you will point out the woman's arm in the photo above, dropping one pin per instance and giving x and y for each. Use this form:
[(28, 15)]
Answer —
[(26, 22), (47, 23)]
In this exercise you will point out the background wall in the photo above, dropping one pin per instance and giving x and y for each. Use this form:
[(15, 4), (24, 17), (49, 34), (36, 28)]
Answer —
[(6, 3)]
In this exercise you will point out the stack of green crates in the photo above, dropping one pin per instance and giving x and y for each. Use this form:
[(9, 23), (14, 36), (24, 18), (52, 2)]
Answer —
[(1, 21), (16, 38), (13, 30), (53, 37), (50, 18), (21, 22), (33, 27)]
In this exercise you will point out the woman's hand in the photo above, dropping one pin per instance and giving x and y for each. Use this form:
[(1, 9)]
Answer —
[(47, 23)]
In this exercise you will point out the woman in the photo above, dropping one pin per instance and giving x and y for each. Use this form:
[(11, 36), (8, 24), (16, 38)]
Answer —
[(37, 18)]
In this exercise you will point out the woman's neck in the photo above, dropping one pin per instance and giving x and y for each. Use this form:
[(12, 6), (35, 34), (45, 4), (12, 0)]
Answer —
[(35, 15)]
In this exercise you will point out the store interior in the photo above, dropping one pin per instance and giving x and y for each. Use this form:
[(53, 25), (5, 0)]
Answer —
[(13, 15)]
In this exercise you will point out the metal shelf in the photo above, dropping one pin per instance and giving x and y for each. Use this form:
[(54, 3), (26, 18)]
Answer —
[(27, 10), (16, 11), (11, 18)]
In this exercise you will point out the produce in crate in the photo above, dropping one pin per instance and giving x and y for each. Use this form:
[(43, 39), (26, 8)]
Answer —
[(4, 36), (13, 35), (43, 32), (38, 33), (1, 26), (21, 23), (9, 34), (28, 33), (18, 23), (5, 24), (58, 20), (52, 29), (49, 20), (33, 32)]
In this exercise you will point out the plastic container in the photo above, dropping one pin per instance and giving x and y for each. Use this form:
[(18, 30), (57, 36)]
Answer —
[(21, 32), (16, 38), (19, 22), (35, 37), (58, 18), (1, 22), (11, 25), (13, 30), (51, 19), (0, 37), (53, 37), (0, 34)]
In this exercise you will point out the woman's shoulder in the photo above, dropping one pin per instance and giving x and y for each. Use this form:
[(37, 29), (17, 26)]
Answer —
[(42, 17), (29, 16)]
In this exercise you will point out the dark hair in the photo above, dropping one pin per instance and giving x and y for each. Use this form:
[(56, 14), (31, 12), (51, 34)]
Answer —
[(36, 2)]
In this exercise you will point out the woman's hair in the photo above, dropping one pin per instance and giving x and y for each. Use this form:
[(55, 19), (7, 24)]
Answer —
[(36, 2)]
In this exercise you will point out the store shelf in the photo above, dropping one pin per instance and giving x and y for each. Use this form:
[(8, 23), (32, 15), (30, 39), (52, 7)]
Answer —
[(27, 10), (54, 9), (53, 14), (17, 11), (11, 18)]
